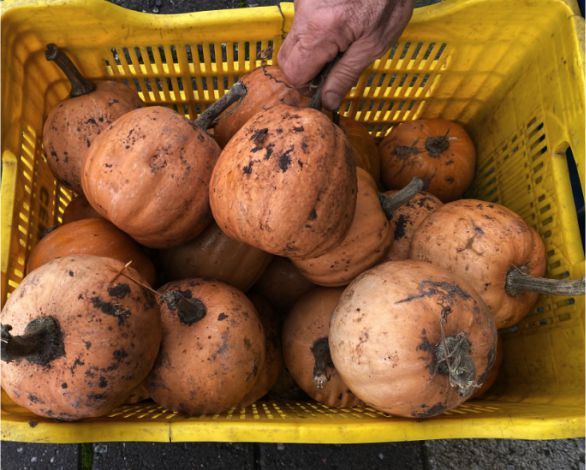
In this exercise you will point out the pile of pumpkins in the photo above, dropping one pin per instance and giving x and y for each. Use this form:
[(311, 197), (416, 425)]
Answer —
[(353, 295)]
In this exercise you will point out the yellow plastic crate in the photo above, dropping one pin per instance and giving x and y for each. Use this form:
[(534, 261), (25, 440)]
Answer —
[(512, 71)]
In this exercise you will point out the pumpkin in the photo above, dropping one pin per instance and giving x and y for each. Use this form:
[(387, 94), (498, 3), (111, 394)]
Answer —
[(405, 221), (495, 250), (364, 146), (282, 283), (212, 349), (306, 349), (436, 150), (94, 236), (365, 243), (494, 372), (271, 369), (412, 339), (286, 183), (214, 255), (76, 342), (148, 173), (78, 208), (73, 124), (266, 87)]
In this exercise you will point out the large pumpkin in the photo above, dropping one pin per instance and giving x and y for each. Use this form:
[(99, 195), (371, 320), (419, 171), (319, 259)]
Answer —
[(436, 150), (412, 339), (214, 255), (365, 243), (75, 341), (286, 183), (306, 348), (212, 349), (74, 123), (93, 236), (266, 87), (484, 243)]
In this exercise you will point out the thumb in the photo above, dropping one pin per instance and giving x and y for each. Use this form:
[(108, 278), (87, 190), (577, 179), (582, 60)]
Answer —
[(345, 73)]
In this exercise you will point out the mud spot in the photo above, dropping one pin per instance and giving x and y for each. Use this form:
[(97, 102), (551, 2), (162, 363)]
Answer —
[(402, 222), (304, 146), (285, 160), (269, 151), (64, 385), (76, 363), (312, 214), (222, 316), (96, 396), (259, 136), (298, 129), (247, 343), (109, 308), (32, 423), (87, 344), (102, 383), (450, 180), (428, 412), (71, 273), (33, 398), (119, 291)]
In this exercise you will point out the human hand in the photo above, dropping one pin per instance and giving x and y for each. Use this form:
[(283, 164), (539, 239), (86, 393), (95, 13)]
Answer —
[(361, 30)]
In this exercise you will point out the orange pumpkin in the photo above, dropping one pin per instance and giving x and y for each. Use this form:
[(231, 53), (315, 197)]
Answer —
[(75, 341), (436, 150), (306, 349), (214, 255), (286, 183), (73, 124), (94, 236), (266, 87), (364, 146), (412, 339), (365, 243)]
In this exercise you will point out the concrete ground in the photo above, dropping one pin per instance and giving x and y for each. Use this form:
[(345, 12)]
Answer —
[(466, 454)]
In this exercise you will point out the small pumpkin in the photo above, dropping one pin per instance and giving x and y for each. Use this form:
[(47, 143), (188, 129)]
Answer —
[(495, 250), (286, 183), (75, 341), (73, 124), (405, 221), (436, 150), (282, 283), (214, 255), (412, 339), (212, 349), (306, 349), (365, 243), (78, 208), (271, 369), (93, 236), (148, 173), (266, 87), (364, 146)]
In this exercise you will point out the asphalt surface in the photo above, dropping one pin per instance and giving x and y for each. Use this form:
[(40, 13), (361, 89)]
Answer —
[(426, 455)]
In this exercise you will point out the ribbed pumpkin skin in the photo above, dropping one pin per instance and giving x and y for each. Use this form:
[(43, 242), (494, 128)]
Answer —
[(111, 334), (481, 242), (92, 236), (73, 124), (216, 256), (365, 243), (148, 173), (404, 154), (406, 220), (385, 332), (266, 87), (286, 183), (364, 146), (207, 366), (307, 322)]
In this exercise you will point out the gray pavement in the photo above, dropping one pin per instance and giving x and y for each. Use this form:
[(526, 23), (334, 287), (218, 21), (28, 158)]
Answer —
[(468, 454)]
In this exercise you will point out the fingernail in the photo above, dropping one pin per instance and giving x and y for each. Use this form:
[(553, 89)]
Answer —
[(332, 100)]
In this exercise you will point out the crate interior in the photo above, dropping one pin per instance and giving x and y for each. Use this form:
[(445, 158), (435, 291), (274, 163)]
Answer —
[(512, 86)]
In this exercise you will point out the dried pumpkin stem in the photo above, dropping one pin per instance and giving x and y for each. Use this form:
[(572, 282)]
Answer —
[(402, 197), (323, 361), (318, 83), (519, 281), (79, 84), (207, 118), (41, 342)]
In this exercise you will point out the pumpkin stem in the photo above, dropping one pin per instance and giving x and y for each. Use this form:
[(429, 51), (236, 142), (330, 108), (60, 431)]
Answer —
[(391, 203), (318, 83), (519, 281), (437, 145), (453, 359), (41, 343), (79, 84), (207, 118), (323, 361)]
